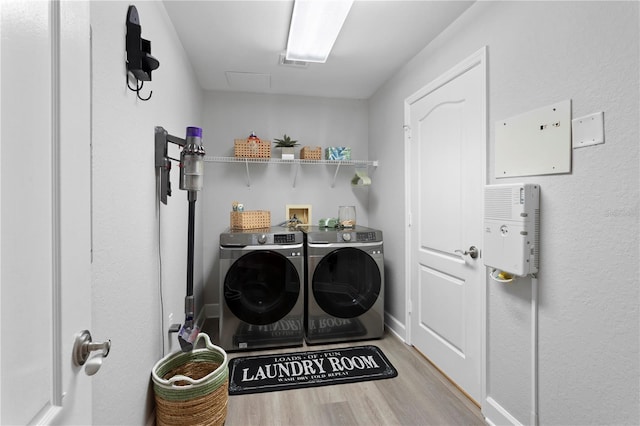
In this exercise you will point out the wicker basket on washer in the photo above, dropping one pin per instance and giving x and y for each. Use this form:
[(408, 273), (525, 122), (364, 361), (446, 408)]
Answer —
[(191, 388), (251, 219)]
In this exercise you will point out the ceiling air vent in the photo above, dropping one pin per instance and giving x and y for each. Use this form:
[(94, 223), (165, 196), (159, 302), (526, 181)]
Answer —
[(298, 64)]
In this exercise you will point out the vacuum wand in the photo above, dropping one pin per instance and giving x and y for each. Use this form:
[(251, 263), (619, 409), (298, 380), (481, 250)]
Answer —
[(191, 177), (189, 330)]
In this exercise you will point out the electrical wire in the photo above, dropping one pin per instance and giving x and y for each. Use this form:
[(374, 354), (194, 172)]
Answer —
[(534, 351)]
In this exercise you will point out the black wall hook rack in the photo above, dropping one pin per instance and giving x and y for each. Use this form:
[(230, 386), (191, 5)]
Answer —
[(137, 89), (140, 63)]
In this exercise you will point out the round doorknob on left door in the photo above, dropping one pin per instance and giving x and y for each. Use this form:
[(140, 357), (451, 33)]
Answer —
[(83, 346)]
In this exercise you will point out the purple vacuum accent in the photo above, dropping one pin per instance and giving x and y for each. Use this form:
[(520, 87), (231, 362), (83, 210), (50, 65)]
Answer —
[(194, 131), (187, 336)]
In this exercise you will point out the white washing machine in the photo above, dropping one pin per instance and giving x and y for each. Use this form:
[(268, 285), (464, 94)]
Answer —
[(344, 284), (261, 289)]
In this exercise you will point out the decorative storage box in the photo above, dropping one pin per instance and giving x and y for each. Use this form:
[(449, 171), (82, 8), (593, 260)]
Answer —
[(252, 219), (252, 148), (337, 153), (311, 153)]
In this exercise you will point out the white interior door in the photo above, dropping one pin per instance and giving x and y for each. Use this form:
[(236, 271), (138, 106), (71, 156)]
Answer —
[(45, 256), (446, 132)]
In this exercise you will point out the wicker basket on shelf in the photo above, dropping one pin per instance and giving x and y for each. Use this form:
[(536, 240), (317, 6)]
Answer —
[(311, 153), (252, 148)]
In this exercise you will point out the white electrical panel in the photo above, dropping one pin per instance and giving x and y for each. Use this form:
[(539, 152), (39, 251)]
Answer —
[(512, 228), (537, 142)]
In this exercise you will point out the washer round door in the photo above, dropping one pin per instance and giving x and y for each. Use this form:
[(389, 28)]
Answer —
[(261, 287), (346, 283)]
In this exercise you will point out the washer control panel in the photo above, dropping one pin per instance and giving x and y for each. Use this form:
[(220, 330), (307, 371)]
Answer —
[(253, 237), (364, 237), (284, 238)]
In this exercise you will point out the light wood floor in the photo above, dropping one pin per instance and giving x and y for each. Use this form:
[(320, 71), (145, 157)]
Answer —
[(419, 395)]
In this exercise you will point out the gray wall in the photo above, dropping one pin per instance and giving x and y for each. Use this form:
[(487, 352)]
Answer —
[(541, 53), (312, 121), (126, 218)]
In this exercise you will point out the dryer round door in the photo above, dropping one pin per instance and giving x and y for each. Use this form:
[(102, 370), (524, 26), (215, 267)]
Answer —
[(261, 287), (346, 283)]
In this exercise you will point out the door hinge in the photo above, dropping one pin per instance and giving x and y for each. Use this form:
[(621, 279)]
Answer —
[(407, 130), (409, 306)]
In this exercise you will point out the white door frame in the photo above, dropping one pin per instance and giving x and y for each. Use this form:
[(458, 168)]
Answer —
[(477, 58)]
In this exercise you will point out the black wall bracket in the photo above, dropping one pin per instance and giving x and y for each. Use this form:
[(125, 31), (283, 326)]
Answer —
[(140, 63)]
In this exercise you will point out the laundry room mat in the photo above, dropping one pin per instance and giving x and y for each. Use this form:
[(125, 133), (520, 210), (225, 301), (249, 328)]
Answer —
[(267, 373)]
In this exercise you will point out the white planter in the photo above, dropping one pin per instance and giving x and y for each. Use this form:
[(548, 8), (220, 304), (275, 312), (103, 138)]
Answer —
[(288, 153)]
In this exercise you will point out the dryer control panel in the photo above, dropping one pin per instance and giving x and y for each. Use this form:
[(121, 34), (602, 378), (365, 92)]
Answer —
[(361, 237), (357, 234)]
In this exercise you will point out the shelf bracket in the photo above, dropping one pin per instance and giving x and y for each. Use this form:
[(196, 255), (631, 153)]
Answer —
[(246, 165), (295, 174), (335, 175)]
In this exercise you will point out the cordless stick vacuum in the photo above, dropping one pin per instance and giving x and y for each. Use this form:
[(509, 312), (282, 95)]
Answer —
[(191, 177)]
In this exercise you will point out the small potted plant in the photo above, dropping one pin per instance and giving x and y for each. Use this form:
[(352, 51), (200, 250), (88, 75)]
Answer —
[(286, 144)]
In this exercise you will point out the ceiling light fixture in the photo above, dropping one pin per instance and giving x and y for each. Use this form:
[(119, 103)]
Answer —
[(315, 25), (282, 60)]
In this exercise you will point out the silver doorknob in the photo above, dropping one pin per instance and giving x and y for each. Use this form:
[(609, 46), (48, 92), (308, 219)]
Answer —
[(472, 252), (82, 348)]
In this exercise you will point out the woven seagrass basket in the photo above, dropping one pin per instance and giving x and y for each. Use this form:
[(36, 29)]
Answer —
[(191, 388)]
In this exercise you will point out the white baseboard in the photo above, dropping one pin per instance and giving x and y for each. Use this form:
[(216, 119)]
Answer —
[(395, 326), (495, 414)]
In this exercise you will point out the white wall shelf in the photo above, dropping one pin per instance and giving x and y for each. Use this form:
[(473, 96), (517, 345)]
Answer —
[(297, 162)]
